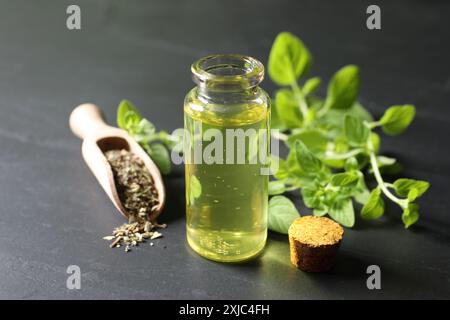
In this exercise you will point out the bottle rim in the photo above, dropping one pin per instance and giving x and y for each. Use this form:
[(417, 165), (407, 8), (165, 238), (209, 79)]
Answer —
[(227, 71)]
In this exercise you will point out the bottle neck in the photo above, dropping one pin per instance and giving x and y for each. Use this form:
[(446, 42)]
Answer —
[(227, 77), (226, 95)]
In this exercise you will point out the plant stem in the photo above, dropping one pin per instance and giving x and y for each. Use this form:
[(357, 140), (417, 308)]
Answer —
[(292, 188), (300, 100), (383, 186), (323, 110), (373, 124), (329, 155)]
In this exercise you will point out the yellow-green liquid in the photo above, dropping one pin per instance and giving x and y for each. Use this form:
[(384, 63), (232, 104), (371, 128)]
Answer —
[(228, 221)]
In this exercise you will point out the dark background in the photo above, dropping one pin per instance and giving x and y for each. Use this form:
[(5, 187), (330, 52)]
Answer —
[(53, 213)]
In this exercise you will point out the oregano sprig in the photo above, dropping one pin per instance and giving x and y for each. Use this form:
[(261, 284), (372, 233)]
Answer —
[(155, 143), (333, 146)]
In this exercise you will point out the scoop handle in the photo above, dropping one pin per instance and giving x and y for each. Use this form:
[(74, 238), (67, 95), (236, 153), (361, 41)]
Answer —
[(87, 120)]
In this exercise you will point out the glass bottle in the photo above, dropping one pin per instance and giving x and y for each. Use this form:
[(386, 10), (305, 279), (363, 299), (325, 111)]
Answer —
[(226, 150)]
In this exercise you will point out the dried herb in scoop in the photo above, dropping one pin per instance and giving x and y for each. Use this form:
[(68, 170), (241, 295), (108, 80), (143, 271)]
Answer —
[(138, 196), (133, 182)]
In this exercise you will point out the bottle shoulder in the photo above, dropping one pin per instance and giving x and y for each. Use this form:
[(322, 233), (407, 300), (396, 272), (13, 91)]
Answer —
[(228, 102), (227, 110)]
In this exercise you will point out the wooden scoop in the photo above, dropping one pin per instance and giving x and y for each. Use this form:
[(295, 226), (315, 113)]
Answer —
[(86, 122)]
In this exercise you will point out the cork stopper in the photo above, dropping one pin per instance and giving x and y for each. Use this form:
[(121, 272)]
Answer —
[(314, 242)]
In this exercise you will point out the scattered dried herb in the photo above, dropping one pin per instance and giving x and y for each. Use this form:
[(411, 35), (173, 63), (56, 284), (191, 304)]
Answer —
[(139, 197), (132, 233)]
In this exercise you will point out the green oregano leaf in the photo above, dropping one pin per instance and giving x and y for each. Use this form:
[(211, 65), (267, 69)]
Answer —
[(397, 118), (343, 88), (278, 167), (361, 193), (312, 196), (355, 130), (144, 131), (287, 109), (383, 161), (376, 141), (315, 140), (289, 59), (342, 211), (403, 187), (127, 110), (410, 215), (195, 189), (145, 127), (344, 179), (413, 194), (160, 156), (351, 164), (311, 85), (307, 161), (275, 120), (320, 212), (374, 208), (276, 187), (282, 213)]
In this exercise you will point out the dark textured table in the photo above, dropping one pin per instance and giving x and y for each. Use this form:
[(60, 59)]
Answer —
[(53, 213)]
